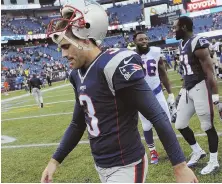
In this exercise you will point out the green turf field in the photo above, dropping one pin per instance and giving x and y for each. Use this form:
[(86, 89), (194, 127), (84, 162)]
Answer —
[(36, 140)]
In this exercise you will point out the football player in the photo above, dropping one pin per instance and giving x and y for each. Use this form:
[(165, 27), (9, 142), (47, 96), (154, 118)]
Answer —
[(199, 94), (35, 89), (110, 90), (155, 72)]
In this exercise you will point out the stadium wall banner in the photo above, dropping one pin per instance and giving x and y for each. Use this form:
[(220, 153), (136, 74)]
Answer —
[(165, 18), (196, 5), (20, 7), (36, 36), (23, 37), (15, 37), (126, 26), (203, 12)]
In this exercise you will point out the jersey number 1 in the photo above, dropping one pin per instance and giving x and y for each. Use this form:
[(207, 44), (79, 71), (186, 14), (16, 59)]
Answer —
[(186, 67), (93, 128)]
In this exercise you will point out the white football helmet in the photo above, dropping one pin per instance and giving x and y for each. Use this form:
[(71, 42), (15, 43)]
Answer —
[(86, 18)]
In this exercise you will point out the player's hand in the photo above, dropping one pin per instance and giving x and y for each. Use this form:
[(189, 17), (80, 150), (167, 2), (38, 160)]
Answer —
[(219, 107), (215, 98), (184, 174), (49, 171), (178, 97), (218, 104), (171, 99)]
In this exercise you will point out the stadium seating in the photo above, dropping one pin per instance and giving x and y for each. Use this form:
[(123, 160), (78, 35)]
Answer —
[(117, 14), (33, 64)]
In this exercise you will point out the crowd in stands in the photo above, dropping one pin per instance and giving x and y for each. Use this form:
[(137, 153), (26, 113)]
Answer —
[(22, 25), (202, 23), (121, 14), (118, 14), (19, 63)]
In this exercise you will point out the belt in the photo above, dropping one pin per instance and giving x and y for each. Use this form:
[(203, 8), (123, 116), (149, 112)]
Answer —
[(157, 89)]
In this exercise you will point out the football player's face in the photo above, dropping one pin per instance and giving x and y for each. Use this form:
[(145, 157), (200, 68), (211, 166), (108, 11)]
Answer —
[(178, 31), (141, 42), (75, 56)]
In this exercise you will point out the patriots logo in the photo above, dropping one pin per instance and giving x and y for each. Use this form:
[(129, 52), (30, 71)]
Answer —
[(129, 69), (203, 41)]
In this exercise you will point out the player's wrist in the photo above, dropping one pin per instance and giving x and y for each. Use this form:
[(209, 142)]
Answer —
[(171, 95), (177, 168), (52, 160), (181, 91)]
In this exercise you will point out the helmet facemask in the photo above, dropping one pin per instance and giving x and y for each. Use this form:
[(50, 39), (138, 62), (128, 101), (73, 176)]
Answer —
[(58, 28), (88, 22)]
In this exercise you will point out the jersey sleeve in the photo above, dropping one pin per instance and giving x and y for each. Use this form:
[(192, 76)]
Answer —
[(74, 132), (123, 70), (200, 43)]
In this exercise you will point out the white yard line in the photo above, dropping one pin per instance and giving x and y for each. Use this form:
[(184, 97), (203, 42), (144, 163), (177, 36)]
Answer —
[(63, 90), (39, 116), (82, 142), (8, 108), (25, 95), (176, 87), (65, 94)]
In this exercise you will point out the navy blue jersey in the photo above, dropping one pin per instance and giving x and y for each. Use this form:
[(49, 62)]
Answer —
[(193, 72), (109, 121)]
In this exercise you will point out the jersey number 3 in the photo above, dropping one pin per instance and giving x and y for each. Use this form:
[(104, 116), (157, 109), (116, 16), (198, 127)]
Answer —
[(93, 128)]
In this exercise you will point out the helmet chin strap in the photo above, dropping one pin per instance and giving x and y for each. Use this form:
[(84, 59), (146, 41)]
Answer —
[(62, 35)]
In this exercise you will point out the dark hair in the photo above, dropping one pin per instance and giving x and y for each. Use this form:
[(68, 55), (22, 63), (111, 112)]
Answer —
[(187, 21), (137, 33)]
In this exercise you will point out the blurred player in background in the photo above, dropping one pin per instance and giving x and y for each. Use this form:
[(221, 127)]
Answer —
[(199, 94), (6, 87), (214, 50), (66, 75), (155, 72), (35, 84), (110, 90)]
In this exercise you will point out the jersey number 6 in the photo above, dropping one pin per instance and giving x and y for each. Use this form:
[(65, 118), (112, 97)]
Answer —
[(151, 67), (93, 128)]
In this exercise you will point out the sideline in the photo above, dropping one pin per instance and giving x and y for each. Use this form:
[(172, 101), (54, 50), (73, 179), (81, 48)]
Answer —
[(25, 95), (39, 116)]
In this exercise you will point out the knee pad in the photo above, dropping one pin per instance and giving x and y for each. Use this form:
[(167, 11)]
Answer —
[(146, 126), (180, 125), (205, 126)]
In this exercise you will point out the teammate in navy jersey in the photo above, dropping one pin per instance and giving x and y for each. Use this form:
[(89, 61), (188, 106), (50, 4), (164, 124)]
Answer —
[(199, 94), (110, 90)]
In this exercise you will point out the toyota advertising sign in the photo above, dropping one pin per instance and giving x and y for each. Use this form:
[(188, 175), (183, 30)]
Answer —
[(197, 5)]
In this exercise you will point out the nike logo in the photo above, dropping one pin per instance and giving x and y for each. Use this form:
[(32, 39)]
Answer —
[(127, 61)]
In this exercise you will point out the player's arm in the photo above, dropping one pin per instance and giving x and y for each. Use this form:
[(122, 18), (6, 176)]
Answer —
[(72, 136), (73, 133), (163, 76), (130, 86), (140, 96), (207, 65), (165, 80)]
